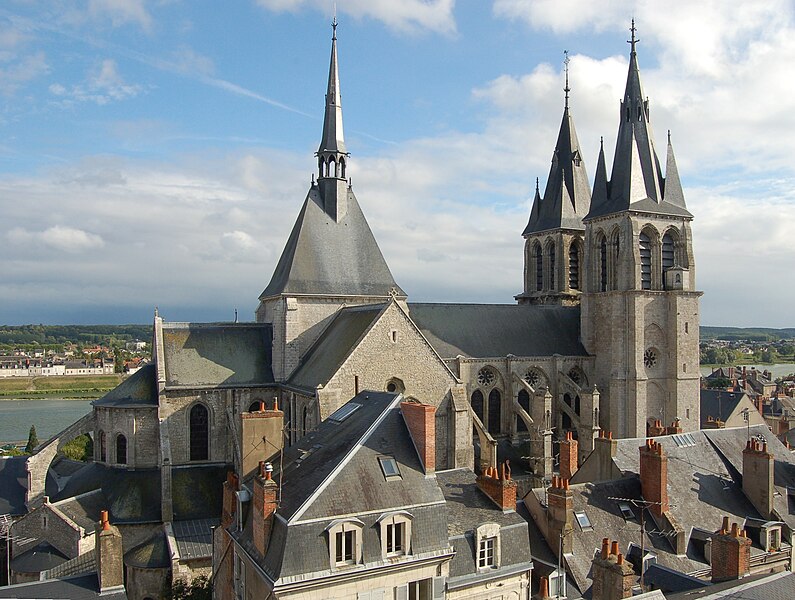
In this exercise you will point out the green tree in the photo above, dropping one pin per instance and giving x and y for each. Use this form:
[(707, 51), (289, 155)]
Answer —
[(199, 589), (33, 440), (81, 448)]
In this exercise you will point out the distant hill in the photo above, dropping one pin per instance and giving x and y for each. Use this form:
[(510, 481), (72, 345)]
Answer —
[(78, 334), (758, 334)]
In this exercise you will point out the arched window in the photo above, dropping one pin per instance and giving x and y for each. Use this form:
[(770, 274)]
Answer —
[(574, 266), (305, 420), (524, 402), (199, 433), (121, 449), (615, 246), (102, 447), (539, 269), (552, 266), (644, 242), (495, 411), (342, 168), (577, 405), (320, 166), (603, 264), (477, 404)]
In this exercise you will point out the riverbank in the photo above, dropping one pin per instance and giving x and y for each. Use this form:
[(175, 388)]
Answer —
[(77, 387)]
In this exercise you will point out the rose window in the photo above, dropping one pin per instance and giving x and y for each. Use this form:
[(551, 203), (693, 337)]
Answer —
[(650, 358), (485, 377), (574, 375), (532, 378)]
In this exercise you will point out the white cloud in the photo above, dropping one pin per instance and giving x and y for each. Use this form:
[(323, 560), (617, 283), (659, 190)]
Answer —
[(16, 71), (121, 12), (103, 85), (405, 16), (57, 237)]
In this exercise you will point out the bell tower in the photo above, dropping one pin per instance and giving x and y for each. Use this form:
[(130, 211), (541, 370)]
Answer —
[(554, 236), (640, 310)]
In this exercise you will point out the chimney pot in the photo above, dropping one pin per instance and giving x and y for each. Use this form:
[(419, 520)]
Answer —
[(261, 406), (725, 526), (605, 548), (614, 548), (543, 588), (620, 559)]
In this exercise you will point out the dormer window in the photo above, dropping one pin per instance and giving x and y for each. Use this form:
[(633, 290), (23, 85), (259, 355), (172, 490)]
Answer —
[(395, 534), (487, 545), (345, 543)]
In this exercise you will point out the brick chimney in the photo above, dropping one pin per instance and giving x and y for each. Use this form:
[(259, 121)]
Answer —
[(654, 476), (499, 487), (109, 554), (568, 456), (656, 429), (264, 503), (613, 577), (229, 507), (758, 477), (560, 514), (674, 428), (421, 422), (731, 553), (262, 437)]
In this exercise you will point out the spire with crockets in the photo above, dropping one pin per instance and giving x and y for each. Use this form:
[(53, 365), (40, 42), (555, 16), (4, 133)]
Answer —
[(332, 156), (636, 181), (567, 196)]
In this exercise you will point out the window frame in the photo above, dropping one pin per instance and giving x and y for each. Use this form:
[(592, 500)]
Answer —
[(339, 532), (487, 536), (388, 524)]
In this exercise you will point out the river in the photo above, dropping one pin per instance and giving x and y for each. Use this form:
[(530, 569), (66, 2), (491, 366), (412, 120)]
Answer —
[(49, 415), (778, 370)]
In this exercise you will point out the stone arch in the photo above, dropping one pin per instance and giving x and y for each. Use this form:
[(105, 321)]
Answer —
[(538, 266), (601, 266), (477, 402), (102, 446), (549, 250), (199, 432), (495, 411), (536, 377), (342, 167), (655, 402), (649, 258), (488, 377), (578, 376), (614, 251)]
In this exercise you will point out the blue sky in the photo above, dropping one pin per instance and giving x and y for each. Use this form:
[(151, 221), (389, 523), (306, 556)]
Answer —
[(156, 152)]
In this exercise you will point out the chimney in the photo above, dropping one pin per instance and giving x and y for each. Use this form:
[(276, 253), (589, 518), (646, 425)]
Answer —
[(421, 422), (264, 503), (568, 456), (730, 553), (229, 507), (676, 427), (758, 477), (656, 429), (543, 589), (654, 476), (560, 514), (109, 554), (499, 487), (262, 437), (613, 576)]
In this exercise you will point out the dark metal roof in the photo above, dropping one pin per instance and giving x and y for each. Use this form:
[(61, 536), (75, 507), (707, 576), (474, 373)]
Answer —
[(776, 586), (567, 197), (194, 538), (496, 330), (139, 389), (330, 258), (13, 483), (668, 580), (334, 345), (85, 509), (84, 587), (217, 354), (39, 558), (196, 491)]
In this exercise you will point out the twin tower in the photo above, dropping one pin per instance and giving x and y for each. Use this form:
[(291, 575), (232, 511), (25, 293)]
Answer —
[(623, 252)]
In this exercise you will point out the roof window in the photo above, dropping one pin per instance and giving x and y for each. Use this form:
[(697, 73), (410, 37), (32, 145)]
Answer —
[(626, 511), (583, 521), (389, 467), (344, 411)]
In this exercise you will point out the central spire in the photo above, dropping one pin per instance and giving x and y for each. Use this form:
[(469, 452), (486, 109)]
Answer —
[(332, 156)]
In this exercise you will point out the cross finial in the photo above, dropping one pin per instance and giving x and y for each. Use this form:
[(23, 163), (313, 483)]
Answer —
[(334, 24), (537, 190), (634, 40), (566, 89)]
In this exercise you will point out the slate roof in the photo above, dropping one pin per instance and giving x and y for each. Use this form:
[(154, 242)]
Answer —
[(40, 557), (496, 330), (701, 488), (194, 538), (84, 587), (467, 509), (13, 483), (334, 344), (139, 389), (326, 257), (719, 404), (778, 586), (217, 354), (150, 554), (567, 197), (79, 565), (731, 443), (85, 509), (339, 461)]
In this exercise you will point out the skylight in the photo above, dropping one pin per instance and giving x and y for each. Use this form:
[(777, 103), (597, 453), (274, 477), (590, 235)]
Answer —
[(583, 521), (626, 510), (389, 467), (683, 440), (343, 412)]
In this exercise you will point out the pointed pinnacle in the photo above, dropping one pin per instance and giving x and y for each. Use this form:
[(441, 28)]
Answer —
[(634, 40), (566, 89)]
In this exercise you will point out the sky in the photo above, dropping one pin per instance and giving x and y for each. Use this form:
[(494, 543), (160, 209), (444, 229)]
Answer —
[(156, 152)]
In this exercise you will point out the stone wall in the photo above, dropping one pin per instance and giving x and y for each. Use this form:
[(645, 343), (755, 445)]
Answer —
[(139, 425)]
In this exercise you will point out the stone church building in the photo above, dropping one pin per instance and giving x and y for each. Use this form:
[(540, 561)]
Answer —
[(603, 336)]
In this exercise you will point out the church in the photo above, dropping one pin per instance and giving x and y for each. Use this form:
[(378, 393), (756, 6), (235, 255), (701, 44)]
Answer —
[(603, 337)]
